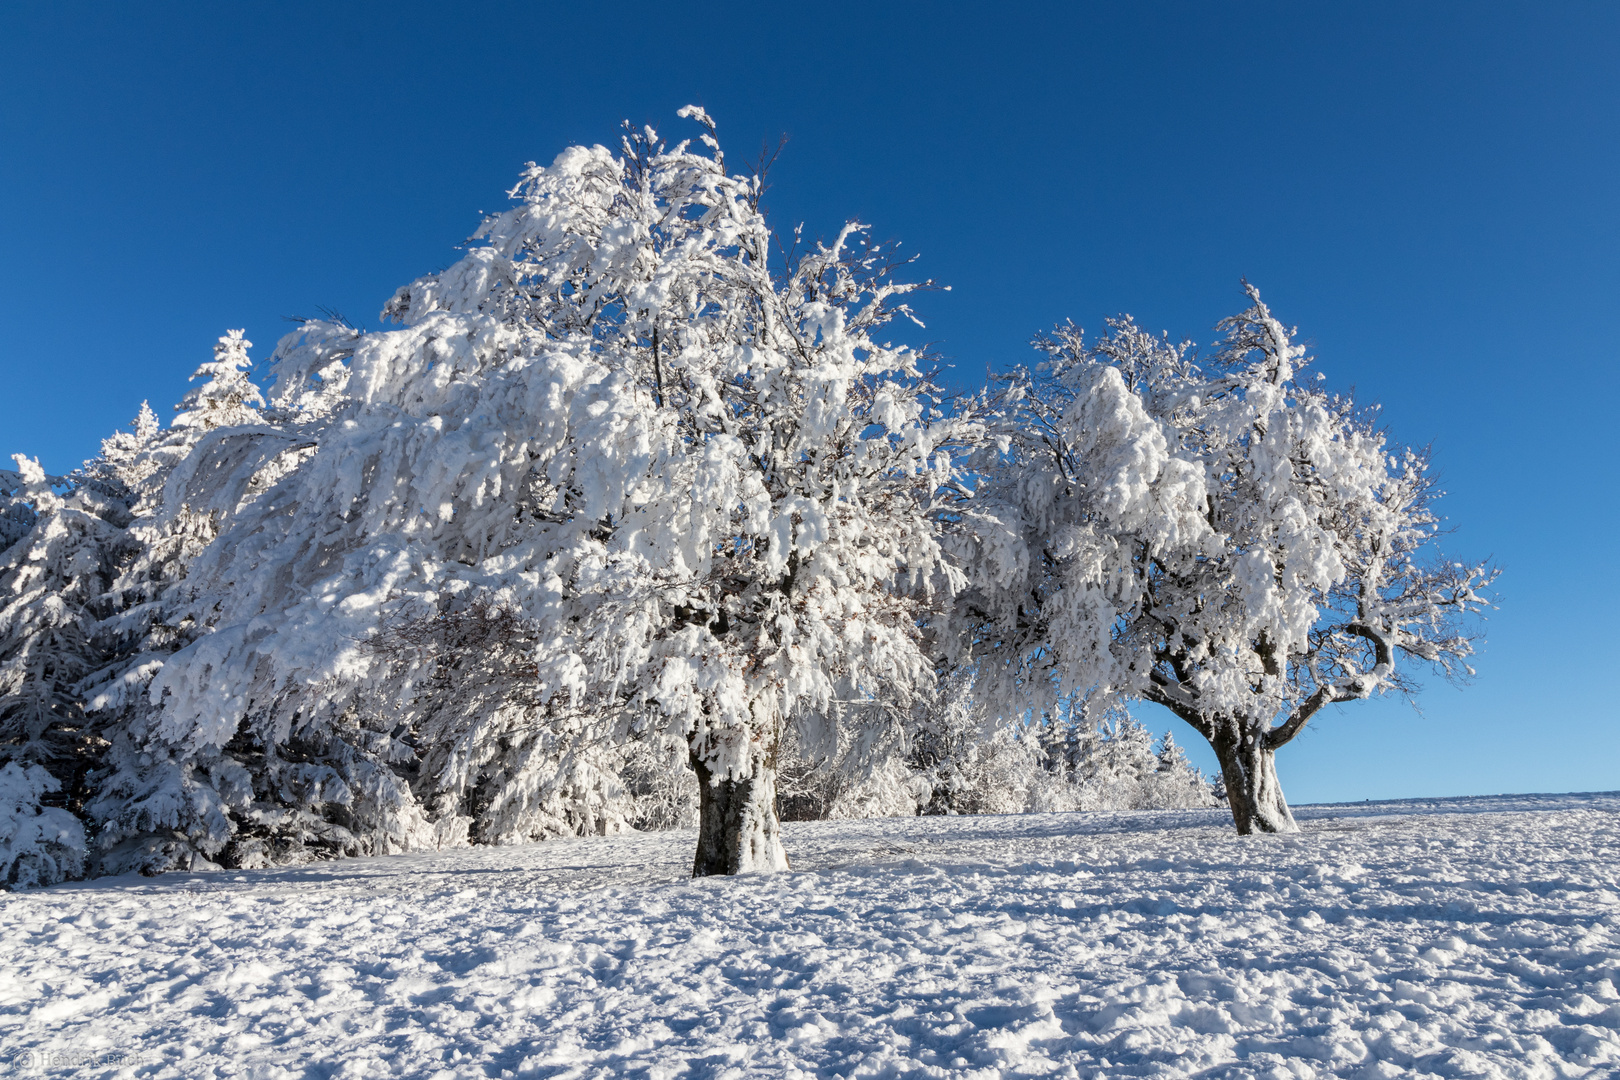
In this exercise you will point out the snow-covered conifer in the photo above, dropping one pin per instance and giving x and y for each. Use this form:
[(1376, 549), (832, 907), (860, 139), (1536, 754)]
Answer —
[(55, 578), (39, 844), (50, 579), (155, 805), (227, 397)]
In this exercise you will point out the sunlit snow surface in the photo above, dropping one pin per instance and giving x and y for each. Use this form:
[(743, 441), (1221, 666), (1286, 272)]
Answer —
[(1468, 937)]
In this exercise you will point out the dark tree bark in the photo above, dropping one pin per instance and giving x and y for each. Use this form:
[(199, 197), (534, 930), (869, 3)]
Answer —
[(1248, 766), (738, 828), (1247, 751)]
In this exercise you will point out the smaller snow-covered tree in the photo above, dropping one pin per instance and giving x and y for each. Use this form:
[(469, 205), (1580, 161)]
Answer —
[(227, 397), (1116, 764), (50, 581), (1222, 539), (1317, 583), (1171, 758), (39, 844)]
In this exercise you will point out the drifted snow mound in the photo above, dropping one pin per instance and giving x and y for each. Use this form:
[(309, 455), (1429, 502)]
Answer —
[(1466, 937)]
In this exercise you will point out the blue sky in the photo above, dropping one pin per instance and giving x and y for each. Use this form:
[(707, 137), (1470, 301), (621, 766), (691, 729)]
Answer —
[(1428, 191)]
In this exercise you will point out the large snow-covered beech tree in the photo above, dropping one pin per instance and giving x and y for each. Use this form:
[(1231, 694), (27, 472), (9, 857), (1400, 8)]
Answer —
[(704, 485), (1222, 539)]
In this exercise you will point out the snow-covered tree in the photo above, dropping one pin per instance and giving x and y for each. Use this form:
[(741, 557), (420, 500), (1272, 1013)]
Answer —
[(154, 806), (967, 759), (1113, 763), (39, 844), (68, 539), (1223, 539), (244, 800), (227, 397), (50, 581), (707, 486)]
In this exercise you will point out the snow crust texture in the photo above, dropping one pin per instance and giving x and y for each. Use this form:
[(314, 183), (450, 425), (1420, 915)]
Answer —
[(1457, 938)]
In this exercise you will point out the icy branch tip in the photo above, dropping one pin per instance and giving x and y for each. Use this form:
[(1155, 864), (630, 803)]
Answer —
[(695, 112)]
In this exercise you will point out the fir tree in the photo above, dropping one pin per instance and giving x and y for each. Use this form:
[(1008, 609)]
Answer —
[(227, 397)]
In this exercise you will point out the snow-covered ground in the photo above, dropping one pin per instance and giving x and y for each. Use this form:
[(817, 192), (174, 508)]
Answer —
[(1464, 937)]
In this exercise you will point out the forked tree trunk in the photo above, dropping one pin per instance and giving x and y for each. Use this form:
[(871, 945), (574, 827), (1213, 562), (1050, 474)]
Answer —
[(1252, 790), (738, 830)]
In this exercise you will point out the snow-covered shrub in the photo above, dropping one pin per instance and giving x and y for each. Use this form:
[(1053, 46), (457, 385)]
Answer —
[(663, 791), (39, 844), (862, 774), (968, 762), (157, 811)]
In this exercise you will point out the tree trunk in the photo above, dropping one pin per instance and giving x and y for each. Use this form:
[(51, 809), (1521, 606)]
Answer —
[(1252, 790), (738, 830)]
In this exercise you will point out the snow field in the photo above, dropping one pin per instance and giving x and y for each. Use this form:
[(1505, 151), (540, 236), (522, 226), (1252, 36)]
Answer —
[(1450, 938)]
